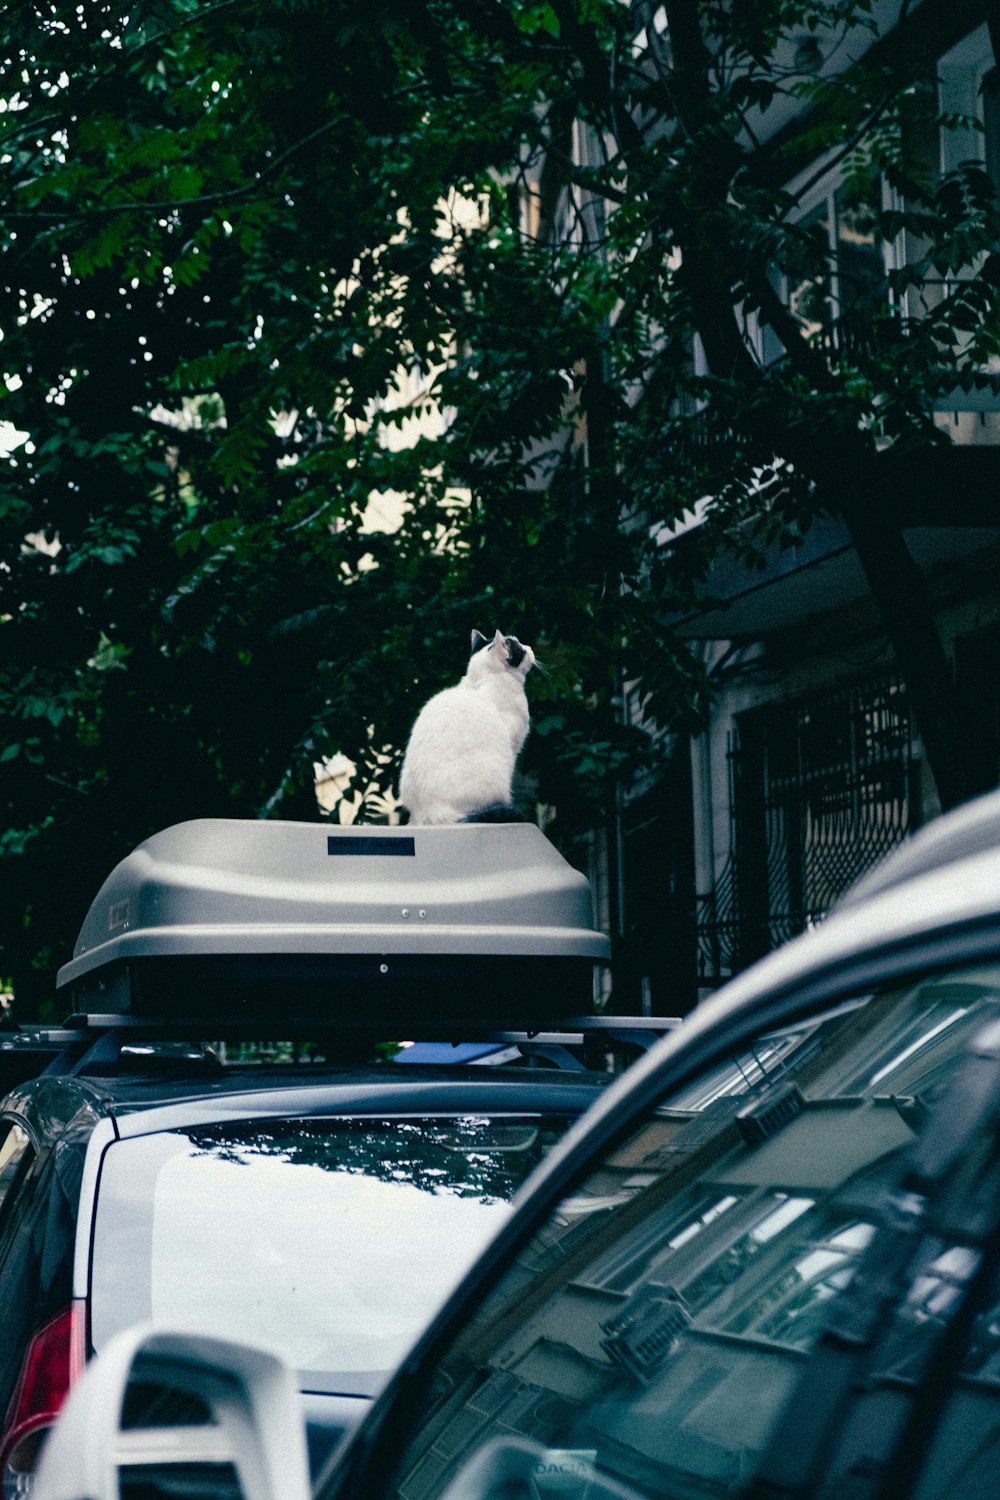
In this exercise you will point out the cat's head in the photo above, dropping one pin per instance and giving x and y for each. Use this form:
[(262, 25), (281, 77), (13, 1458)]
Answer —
[(504, 653)]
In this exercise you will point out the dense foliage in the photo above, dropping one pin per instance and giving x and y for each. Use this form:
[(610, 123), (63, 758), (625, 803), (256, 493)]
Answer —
[(311, 313)]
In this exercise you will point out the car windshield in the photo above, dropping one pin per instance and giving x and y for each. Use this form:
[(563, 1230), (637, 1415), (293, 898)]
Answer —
[(332, 1241), (646, 1339)]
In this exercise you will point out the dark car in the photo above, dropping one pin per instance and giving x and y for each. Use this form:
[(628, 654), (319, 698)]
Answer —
[(321, 1209), (323, 1212), (765, 1264)]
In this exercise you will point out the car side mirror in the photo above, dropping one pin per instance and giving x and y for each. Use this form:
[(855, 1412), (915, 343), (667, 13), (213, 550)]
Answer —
[(160, 1412)]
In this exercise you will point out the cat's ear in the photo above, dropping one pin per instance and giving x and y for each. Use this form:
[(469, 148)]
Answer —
[(478, 642)]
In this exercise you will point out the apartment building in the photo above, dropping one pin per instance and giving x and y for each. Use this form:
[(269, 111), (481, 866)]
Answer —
[(810, 766)]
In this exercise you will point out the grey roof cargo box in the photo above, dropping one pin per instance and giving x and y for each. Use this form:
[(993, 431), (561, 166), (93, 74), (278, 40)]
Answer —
[(228, 921)]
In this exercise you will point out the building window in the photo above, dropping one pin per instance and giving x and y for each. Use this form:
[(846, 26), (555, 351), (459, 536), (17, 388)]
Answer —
[(834, 300)]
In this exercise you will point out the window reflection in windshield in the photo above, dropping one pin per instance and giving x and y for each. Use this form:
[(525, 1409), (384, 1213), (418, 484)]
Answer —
[(661, 1333)]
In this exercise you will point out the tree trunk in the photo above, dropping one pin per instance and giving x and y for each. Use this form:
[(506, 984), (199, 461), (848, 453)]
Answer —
[(954, 740), (851, 479), (868, 490)]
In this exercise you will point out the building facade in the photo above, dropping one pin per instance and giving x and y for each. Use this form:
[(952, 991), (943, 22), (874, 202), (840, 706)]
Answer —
[(810, 768)]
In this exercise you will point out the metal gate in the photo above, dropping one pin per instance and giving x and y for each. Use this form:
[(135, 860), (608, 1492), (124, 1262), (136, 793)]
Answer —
[(820, 790)]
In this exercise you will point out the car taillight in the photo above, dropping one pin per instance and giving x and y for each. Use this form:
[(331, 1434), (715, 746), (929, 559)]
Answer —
[(51, 1363)]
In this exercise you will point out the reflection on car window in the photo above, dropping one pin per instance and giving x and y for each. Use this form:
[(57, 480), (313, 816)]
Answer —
[(331, 1241), (745, 1072), (788, 1307), (15, 1158), (655, 1325)]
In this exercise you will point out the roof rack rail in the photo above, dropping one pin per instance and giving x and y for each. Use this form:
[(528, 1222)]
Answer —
[(93, 1044), (584, 1041)]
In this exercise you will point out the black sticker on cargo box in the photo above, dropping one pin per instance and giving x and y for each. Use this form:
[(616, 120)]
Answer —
[(117, 914), (355, 844)]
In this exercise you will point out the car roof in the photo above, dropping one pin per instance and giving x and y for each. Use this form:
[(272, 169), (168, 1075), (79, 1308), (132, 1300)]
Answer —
[(962, 834), (141, 1104), (417, 1095)]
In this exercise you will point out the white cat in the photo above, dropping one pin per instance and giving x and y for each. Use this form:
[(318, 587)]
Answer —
[(459, 763)]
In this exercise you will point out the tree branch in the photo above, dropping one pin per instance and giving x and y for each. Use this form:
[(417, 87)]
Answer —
[(705, 270), (225, 195)]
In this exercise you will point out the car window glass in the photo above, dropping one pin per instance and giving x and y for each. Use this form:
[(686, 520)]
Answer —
[(646, 1339), (964, 1455), (16, 1154), (331, 1241)]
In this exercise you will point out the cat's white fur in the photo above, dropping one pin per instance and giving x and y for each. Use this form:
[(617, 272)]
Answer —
[(466, 739)]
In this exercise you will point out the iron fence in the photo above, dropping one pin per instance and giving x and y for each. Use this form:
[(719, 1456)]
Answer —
[(820, 790)]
